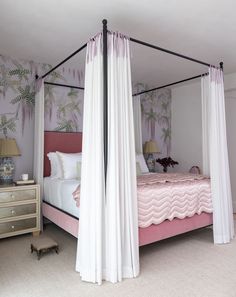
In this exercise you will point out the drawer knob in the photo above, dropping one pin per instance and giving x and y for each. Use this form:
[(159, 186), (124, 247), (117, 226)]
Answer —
[(12, 196), (13, 212), (12, 227)]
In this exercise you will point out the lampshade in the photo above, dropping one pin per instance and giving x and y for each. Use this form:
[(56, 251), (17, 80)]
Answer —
[(8, 148), (150, 147)]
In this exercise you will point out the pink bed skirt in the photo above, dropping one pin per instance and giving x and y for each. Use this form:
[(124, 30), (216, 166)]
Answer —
[(146, 235)]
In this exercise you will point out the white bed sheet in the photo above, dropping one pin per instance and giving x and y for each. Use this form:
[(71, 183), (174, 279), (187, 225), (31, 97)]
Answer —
[(58, 192)]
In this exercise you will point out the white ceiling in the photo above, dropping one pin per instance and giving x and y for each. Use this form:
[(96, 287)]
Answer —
[(48, 31)]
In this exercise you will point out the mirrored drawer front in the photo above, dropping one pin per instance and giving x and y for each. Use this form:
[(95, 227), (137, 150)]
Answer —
[(17, 225), (17, 195), (14, 211)]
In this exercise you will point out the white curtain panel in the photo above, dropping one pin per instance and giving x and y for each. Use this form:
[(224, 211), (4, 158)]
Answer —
[(205, 89), (90, 248), (39, 134), (108, 228), (138, 124), (122, 249), (214, 127)]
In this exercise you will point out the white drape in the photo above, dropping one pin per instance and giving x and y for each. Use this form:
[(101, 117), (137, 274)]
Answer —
[(39, 134), (216, 154), (205, 89), (138, 124), (108, 227), (90, 251), (122, 249)]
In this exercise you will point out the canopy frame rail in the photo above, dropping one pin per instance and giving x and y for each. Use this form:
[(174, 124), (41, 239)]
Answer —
[(169, 52), (63, 85), (175, 83), (65, 60), (168, 85)]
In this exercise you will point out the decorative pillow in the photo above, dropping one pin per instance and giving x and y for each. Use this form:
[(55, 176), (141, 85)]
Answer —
[(69, 164), (56, 170), (79, 163), (138, 169), (140, 159)]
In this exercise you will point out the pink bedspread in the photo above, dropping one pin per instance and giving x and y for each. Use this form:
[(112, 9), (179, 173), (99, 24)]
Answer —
[(165, 196), (172, 195)]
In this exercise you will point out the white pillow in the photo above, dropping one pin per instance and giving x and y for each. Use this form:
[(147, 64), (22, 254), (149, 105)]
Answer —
[(69, 164), (56, 170), (140, 159)]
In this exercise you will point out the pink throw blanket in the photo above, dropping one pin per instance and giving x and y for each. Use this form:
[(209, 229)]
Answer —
[(165, 196), (172, 195)]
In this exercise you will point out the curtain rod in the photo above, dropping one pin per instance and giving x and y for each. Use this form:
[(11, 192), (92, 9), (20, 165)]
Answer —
[(66, 59), (168, 85), (62, 85), (169, 52)]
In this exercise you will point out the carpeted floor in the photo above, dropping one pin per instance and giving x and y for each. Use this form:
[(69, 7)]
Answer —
[(188, 265)]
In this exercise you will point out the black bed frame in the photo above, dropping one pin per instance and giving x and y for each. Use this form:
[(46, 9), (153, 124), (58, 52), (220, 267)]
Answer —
[(105, 90)]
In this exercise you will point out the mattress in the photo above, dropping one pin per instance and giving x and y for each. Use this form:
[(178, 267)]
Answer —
[(58, 192), (167, 196)]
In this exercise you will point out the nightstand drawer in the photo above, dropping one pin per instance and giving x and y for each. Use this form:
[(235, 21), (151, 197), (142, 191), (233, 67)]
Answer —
[(19, 195), (18, 225), (19, 210)]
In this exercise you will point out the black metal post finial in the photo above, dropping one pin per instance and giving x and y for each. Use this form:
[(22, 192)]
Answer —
[(104, 21), (222, 66)]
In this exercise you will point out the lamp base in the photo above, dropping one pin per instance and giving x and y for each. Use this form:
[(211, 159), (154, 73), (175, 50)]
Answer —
[(151, 163), (7, 169)]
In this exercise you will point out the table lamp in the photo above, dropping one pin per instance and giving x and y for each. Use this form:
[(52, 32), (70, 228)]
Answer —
[(150, 148), (8, 149)]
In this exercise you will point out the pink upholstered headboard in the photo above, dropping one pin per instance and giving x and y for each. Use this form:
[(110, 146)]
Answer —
[(60, 141)]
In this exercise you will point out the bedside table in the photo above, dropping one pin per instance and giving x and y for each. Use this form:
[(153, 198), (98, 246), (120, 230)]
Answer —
[(19, 210)]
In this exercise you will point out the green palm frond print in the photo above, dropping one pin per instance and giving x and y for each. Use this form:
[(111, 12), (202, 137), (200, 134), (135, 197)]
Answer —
[(54, 76), (62, 105), (68, 113), (65, 125), (73, 93), (156, 114), (26, 102), (166, 134), (26, 96), (7, 124), (19, 71), (6, 82)]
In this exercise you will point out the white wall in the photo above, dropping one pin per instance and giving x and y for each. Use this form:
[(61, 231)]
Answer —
[(186, 145)]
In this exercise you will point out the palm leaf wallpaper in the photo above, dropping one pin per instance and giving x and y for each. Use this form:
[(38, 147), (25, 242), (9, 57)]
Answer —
[(156, 117), (64, 106), (17, 93)]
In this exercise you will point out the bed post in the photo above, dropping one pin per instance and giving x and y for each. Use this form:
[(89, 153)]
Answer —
[(105, 93)]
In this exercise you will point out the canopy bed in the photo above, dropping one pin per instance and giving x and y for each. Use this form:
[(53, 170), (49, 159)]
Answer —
[(109, 224)]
